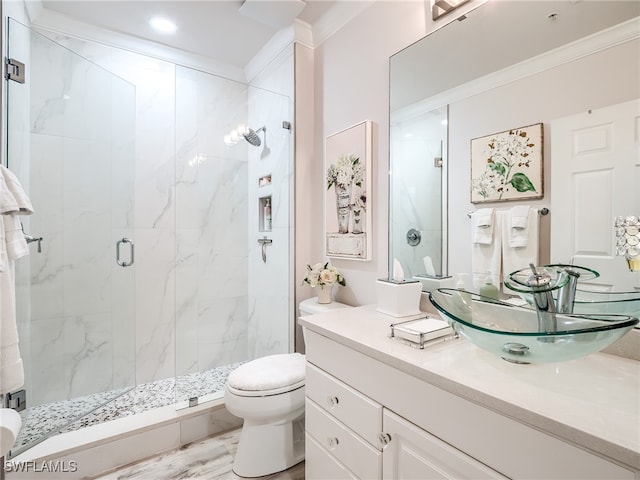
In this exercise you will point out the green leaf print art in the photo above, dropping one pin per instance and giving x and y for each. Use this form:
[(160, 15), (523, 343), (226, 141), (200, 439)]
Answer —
[(507, 165)]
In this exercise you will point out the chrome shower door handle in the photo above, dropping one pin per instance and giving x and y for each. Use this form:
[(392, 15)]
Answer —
[(120, 262)]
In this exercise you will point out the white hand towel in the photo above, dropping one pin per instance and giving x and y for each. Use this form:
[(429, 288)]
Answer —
[(487, 257), (16, 244), (11, 368), (519, 225), (519, 257), (13, 201), (483, 221), (21, 203)]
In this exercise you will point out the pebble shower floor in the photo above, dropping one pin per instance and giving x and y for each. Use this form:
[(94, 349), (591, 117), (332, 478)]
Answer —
[(58, 417)]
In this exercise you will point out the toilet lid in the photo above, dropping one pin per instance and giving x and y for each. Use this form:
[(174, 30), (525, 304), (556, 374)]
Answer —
[(269, 373)]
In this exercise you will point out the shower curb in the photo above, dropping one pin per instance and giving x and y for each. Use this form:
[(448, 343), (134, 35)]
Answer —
[(98, 449)]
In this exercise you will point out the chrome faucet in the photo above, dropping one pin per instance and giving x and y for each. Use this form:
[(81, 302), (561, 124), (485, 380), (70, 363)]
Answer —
[(567, 293), (540, 284)]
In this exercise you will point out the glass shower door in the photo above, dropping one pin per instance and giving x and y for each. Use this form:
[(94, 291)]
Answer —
[(70, 141)]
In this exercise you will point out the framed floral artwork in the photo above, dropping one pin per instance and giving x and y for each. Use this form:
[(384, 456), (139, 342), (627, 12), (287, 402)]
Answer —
[(348, 193), (507, 165)]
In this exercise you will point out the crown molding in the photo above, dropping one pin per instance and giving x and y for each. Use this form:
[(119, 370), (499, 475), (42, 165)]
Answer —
[(599, 41)]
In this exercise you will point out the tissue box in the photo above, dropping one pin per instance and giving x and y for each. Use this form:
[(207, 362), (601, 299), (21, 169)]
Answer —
[(398, 299)]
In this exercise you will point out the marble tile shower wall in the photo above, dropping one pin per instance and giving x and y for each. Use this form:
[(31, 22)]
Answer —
[(416, 146), (74, 166), (191, 269), (269, 299), (211, 223)]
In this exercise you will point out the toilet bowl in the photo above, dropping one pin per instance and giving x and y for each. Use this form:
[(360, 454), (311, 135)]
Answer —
[(268, 393)]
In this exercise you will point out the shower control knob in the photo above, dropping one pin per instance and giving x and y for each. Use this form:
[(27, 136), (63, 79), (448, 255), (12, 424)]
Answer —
[(332, 401)]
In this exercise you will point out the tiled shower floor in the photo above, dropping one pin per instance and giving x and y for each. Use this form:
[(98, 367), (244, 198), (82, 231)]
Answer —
[(59, 416)]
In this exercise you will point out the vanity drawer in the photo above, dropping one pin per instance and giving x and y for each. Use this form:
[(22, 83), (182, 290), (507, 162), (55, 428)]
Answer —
[(347, 447), (320, 465), (355, 410)]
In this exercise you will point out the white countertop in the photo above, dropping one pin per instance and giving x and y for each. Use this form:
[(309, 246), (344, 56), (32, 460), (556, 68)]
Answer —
[(593, 402)]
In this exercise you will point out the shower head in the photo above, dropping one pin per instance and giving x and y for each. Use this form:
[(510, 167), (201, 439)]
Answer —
[(251, 136)]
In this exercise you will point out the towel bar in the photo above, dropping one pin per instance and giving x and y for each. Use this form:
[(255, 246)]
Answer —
[(541, 211)]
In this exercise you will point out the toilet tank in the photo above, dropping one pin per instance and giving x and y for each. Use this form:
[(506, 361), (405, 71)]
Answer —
[(310, 306)]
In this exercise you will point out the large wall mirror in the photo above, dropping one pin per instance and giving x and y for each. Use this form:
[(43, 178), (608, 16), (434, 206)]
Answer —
[(503, 65)]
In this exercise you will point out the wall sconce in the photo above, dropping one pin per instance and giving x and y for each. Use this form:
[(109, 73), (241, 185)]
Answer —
[(627, 230)]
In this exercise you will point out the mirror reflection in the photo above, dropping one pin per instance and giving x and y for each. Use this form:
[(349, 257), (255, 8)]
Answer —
[(506, 65)]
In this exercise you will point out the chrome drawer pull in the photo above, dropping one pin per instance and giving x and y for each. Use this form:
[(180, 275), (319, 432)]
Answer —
[(333, 442), (385, 438), (332, 401)]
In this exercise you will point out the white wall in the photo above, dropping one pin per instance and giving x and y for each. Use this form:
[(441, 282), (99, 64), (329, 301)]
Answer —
[(352, 85)]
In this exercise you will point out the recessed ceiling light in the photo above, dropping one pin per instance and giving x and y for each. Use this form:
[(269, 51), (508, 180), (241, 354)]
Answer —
[(163, 25)]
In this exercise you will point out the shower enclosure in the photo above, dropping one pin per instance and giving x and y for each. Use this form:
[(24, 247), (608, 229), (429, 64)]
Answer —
[(73, 152), (150, 286)]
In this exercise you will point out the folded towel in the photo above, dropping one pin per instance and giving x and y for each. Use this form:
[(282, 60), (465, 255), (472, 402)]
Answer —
[(518, 228), (487, 257), (13, 198), (520, 256), (483, 226)]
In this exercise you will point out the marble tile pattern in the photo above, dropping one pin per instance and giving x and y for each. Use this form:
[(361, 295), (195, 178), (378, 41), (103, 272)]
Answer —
[(199, 296), (210, 459), (62, 416), (415, 143)]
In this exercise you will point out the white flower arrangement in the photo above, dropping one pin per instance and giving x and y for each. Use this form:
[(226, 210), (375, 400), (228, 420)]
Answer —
[(345, 171), (323, 274)]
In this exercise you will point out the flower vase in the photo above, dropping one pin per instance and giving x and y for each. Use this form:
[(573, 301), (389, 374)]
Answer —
[(343, 206), (324, 293)]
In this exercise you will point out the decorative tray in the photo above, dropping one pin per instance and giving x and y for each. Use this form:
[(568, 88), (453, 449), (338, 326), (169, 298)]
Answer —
[(422, 332)]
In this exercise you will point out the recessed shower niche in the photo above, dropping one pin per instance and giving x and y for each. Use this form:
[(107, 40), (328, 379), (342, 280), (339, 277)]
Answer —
[(265, 209)]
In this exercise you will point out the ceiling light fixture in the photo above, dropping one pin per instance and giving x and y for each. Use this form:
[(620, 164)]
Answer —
[(163, 25)]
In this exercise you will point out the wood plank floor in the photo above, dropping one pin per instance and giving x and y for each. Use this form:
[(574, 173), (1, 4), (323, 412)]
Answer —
[(209, 459)]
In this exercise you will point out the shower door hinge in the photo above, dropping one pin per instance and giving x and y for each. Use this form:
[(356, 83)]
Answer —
[(14, 70), (17, 400)]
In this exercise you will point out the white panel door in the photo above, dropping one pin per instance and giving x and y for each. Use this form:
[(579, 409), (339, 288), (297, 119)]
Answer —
[(413, 453), (595, 159)]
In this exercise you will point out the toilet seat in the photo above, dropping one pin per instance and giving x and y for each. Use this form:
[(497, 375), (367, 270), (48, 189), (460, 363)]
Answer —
[(271, 375), (265, 393)]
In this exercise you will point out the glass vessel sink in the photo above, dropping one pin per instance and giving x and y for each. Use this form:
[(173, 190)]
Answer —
[(513, 332)]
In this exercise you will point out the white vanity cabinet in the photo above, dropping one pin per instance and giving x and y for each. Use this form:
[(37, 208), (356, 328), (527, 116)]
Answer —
[(369, 416), (351, 436)]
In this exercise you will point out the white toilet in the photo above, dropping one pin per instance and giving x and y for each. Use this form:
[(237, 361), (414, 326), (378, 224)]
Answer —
[(268, 393)]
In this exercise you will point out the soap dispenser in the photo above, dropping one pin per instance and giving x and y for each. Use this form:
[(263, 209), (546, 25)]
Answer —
[(488, 289)]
